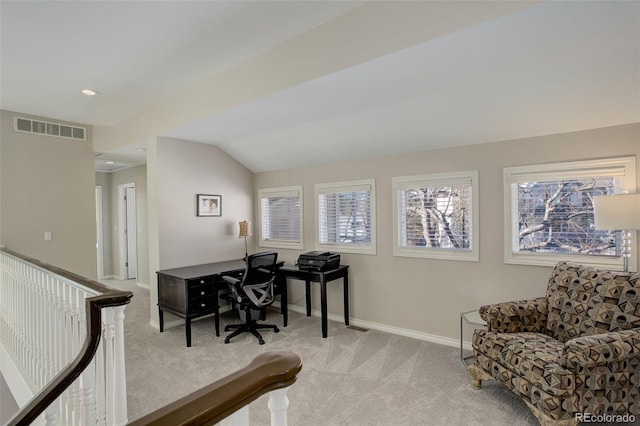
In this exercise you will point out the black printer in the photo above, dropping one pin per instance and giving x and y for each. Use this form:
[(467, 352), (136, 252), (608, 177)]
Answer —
[(319, 260)]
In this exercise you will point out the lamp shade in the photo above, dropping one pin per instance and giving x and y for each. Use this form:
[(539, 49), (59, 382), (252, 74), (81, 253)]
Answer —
[(245, 229), (620, 212)]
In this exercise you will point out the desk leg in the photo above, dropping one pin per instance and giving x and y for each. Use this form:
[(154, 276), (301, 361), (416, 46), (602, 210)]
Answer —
[(284, 302), (461, 353), (216, 310), (307, 290), (187, 330), (161, 319), (346, 298), (323, 304)]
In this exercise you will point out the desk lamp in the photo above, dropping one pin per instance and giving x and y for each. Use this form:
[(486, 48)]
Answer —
[(245, 231), (620, 212)]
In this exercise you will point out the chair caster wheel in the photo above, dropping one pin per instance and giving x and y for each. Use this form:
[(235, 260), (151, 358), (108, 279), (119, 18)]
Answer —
[(226, 341), (261, 342), (276, 330)]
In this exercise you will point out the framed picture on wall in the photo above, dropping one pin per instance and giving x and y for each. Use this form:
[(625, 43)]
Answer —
[(209, 205)]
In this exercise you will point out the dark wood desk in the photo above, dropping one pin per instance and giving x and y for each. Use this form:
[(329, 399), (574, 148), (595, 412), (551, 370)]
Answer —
[(323, 278), (192, 292)]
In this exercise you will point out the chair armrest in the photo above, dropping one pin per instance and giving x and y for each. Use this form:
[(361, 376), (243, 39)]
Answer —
[(600, 349), (516, 316), (229, 279)]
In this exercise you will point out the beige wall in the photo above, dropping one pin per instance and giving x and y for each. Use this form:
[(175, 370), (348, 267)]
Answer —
[(48, 185), (177, 171), (423, 295)]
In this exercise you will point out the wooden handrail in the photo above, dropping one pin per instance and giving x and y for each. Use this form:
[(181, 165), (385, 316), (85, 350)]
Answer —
[(215, 402), (68, 375)]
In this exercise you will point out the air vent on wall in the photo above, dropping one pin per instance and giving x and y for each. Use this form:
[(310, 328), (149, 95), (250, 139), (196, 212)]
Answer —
[(50, 129)]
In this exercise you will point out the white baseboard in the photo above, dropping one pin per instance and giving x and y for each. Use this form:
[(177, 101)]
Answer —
[(434, 338), (388, 329)]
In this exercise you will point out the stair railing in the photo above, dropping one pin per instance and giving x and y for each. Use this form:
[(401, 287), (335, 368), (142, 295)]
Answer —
[(62, 338)]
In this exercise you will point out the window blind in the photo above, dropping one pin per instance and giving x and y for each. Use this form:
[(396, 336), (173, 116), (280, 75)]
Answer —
[(280, 215), (346, 216)]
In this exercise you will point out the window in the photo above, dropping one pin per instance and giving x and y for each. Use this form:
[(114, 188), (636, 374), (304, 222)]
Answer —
[(436, 216), (281, 217), (346, 219), (549, 212)]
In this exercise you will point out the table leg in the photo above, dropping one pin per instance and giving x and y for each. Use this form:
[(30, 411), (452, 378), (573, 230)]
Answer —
[(187, 330), (284, 302), (161, 319), (308, 296), (323, 304), (461, 353), (346, 298), (216, 310)]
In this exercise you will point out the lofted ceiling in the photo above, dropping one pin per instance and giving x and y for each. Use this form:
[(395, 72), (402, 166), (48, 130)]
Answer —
[(526, 69)]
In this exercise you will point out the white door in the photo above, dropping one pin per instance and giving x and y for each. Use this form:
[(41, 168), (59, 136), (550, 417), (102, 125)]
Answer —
[(130, 230), (127, 230)]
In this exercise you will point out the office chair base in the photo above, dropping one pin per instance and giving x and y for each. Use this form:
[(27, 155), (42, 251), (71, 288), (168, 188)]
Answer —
[(251, 328)]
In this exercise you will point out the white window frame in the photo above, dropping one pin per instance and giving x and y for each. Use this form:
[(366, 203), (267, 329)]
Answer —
[(402, 183), (285, 191), (350, 186), (623, 168)]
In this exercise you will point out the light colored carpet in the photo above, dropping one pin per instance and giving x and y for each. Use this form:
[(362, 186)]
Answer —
[(350, 378)]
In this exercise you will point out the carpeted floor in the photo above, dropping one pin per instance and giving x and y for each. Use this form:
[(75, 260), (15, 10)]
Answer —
[(350, 378)]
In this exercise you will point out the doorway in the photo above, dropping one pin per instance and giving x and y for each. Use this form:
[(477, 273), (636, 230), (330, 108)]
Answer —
[(127, 231)]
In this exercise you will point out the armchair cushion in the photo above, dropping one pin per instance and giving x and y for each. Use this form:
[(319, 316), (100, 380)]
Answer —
[(600, 349)]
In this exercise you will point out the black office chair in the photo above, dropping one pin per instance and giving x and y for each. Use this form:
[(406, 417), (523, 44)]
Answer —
[(253, 291)]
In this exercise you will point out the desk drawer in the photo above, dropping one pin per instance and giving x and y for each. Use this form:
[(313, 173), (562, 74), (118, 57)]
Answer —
[(202, 305), (200, 281), (199, 291)]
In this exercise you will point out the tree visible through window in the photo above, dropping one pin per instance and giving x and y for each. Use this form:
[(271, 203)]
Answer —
[(549, 211), (557, 217), (435, 216)]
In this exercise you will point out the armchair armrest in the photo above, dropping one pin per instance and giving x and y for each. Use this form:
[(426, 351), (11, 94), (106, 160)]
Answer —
[(600, 349), (516, 316)]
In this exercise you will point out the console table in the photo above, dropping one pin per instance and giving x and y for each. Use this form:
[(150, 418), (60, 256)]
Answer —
[(192, 292), (322, 277)]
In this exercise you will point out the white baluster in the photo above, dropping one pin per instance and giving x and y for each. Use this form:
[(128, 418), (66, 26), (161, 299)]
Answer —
[(52, 415), (278, 404), (119, 374), (108, 363), (239, 418), (88, 380), (100, 379)]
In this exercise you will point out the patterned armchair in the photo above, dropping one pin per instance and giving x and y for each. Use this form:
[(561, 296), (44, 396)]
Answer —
[(570, 354)]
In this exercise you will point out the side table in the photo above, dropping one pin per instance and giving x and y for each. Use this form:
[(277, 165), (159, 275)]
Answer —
[(473, 318)]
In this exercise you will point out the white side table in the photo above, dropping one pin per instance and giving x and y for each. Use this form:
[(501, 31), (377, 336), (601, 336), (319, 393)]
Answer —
[(473, 318)]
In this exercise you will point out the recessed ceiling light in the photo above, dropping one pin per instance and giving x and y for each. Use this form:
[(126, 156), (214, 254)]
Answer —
[(89, 92), (109, 162)]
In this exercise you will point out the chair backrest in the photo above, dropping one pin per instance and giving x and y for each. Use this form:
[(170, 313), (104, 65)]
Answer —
[(258, 278), (584, 301)]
